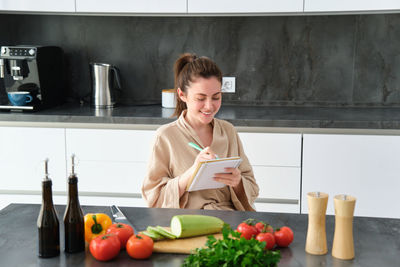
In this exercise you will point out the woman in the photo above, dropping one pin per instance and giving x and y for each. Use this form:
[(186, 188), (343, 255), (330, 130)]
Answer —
[(172, 163)]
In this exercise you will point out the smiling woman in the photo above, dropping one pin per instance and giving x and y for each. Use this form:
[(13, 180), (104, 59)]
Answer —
[(173, 162)]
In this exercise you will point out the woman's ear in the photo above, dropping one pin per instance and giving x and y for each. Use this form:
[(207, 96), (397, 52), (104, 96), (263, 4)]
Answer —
[(181, 95)]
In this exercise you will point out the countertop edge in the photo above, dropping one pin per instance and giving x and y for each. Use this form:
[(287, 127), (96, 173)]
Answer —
[(252, 129)]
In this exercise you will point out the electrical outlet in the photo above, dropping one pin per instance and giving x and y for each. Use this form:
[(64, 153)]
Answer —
[(228, 84)]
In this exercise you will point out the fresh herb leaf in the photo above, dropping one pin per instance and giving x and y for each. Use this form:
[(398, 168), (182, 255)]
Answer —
[(233, 250)]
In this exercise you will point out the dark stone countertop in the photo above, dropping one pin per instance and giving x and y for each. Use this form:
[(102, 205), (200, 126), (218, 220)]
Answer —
[(246, 116), (376, 240)]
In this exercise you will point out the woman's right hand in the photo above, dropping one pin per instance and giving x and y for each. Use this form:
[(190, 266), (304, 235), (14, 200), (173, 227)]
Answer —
[(205, 154)]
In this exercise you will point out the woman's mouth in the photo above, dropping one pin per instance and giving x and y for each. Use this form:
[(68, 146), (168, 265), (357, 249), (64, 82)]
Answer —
[(206, 113)]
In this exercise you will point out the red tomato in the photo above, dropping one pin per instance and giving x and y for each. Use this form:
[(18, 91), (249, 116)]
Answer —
[(105, 247), (283, 236), (246, 230), (268, 238), (264, 227), (139, 246), (122, 230)]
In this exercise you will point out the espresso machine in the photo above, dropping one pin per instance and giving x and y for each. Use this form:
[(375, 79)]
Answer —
[(38, 70)]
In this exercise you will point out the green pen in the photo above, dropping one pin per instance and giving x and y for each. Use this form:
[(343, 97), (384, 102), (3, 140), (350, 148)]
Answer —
[(198, 148)]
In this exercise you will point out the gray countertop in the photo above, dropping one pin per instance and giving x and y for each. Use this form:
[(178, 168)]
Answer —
[(376, 240), (240, 116)]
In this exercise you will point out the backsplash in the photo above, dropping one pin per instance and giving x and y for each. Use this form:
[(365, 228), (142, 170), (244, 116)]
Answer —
[(349, 60)]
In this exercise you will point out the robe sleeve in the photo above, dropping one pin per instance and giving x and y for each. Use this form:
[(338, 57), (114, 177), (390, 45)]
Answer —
[(158, 188), (250, 186)]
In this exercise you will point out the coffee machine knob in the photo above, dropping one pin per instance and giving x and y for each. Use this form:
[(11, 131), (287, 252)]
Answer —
[(31, 52), (4, 50)]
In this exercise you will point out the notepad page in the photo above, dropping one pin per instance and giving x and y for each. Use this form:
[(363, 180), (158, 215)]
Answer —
[(204, 178)]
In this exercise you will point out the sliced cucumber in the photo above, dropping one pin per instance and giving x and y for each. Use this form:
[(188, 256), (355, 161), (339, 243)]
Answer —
[(193, 225)]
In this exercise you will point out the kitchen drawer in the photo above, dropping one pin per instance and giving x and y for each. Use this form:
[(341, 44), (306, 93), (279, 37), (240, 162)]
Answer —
[(109, 145), (278, 182), (22, 154), (270, 149), (116, 177), (277, 207), (131, 6)]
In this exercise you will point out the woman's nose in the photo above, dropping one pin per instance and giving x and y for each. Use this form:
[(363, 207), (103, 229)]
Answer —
[(208, 104)]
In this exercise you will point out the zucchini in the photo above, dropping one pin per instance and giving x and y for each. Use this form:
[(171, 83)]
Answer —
[(154, 236), (193, 225), (161, 231)]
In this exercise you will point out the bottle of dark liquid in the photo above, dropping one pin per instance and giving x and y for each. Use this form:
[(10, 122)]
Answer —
[(73, 217), (47, 223)]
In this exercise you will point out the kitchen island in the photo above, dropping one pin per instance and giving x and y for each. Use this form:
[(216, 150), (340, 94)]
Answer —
[(376, 240)]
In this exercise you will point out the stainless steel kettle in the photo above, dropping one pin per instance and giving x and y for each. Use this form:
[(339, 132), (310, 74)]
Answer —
[(103, 91)]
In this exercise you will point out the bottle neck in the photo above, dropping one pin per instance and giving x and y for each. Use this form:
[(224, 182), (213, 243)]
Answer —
[(73, 189), (47, 195)]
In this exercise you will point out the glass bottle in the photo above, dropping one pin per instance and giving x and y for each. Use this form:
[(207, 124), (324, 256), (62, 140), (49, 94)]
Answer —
[(73, 217), (47, 222)]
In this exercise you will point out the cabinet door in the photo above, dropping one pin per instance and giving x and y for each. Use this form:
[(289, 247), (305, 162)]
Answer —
[(364, 166), (240, 6), (270, 149), (22, 154), (38, 5), (349, 5), (111, 161), (131, 6)]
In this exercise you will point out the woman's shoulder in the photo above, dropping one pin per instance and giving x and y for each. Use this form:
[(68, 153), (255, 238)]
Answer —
[(167, 129)]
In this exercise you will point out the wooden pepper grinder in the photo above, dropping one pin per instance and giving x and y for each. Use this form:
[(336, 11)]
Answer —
[(343, 244), (316, 233)]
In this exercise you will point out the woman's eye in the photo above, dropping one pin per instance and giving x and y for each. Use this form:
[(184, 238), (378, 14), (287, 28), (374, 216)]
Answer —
[(201, 99), (215, 98)]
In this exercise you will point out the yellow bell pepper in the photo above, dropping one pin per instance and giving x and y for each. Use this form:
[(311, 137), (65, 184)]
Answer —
[(96, 224)]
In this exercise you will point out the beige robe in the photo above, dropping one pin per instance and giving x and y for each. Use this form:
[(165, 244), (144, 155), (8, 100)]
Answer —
[(171, 156)]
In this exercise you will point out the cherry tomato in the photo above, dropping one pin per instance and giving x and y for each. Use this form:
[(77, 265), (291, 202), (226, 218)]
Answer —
[(122, 230), (246, 230), (105, 247), (139, 246), (268, 238), (283, 236)]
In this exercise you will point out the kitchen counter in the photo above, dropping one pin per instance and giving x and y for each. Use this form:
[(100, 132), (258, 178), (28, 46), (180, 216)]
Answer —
[(376, 240), (296, 118)]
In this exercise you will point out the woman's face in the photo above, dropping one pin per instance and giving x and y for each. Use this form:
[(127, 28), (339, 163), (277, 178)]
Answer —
[(203, 100)]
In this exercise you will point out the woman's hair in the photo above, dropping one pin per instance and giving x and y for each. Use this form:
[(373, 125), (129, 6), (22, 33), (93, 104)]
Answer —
[(187, 68)]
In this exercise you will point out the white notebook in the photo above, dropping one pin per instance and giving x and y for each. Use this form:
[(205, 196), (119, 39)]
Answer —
[(204, 174)]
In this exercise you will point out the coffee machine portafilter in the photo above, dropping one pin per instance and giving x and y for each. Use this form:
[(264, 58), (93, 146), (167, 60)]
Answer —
[(38, 70)]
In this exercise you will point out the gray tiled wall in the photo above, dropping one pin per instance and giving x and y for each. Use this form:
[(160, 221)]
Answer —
[(351, 60)]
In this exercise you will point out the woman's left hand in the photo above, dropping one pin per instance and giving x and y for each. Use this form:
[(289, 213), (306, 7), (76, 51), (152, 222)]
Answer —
[(232, 177)]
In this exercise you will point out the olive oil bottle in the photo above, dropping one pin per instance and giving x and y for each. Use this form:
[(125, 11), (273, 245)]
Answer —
[(47, 222), (73, 217)]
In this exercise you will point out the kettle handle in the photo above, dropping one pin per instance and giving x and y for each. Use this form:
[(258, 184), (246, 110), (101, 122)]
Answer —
[(117, 76)]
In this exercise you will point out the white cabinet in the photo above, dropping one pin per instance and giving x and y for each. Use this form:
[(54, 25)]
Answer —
[(364, 166), (240, 6), (350, 5), (276, 162), (131, 6), (38, 5), (22, 154), (110, 161)]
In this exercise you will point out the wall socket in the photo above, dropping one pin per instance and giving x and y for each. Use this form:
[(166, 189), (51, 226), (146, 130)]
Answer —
[(228, 84)]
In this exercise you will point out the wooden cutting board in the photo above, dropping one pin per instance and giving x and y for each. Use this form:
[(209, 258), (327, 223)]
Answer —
[(182, 245)]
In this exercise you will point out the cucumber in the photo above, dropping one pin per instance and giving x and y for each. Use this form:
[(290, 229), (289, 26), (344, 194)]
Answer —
[(193, 225), (161, 231)]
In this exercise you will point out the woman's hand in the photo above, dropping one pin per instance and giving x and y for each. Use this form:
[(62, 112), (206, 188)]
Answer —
[(205, 154), (232, 178)]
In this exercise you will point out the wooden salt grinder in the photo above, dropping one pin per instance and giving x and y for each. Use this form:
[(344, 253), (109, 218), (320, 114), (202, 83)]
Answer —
[(316, 234), (343, 244)]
